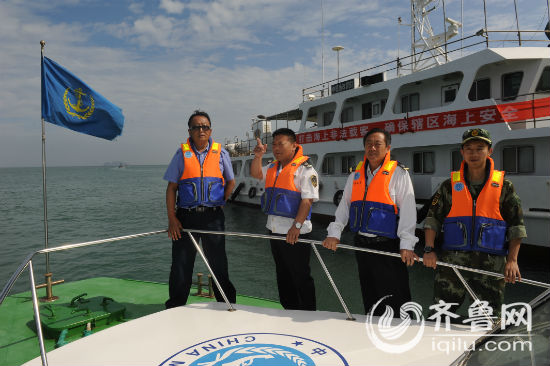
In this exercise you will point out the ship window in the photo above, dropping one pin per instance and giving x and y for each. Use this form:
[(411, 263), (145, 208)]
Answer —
[(544, 82), (456, 160), (518, 159), (410, 102), (366, 110), (510, 85), (348, 164), (373, 109), (328, 165), (423, 162), (378, 107), (448, 93), (237, 165), (347, 115), (327, 118), (313, 159), (481, 89)]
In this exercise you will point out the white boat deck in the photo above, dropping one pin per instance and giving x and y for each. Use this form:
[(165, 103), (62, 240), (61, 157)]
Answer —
[(208, 334)]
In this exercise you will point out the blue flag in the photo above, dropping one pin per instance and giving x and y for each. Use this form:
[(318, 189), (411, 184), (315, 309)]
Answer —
[(68, 102)]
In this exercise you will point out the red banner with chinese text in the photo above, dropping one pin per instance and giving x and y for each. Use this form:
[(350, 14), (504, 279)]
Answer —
[(509, 112)]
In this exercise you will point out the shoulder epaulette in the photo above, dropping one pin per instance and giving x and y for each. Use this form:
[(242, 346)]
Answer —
[(402, 166), (307, 164)]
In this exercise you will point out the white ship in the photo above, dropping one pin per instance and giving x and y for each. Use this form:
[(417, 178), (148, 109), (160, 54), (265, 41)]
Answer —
[(427, 100)]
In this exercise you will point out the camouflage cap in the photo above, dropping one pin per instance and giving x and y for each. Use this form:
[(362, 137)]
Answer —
[(477, 134)]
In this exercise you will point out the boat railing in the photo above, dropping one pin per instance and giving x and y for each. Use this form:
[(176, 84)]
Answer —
[(28, 263), (245, 147), (403, 65)]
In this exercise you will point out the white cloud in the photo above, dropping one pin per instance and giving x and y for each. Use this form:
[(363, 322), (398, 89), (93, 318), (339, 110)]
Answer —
[(156, 96), (224, 74), (155, 31), (172, 6), (136, 8)]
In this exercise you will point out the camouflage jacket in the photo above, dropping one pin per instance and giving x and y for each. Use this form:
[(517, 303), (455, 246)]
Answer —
[(510, 207)]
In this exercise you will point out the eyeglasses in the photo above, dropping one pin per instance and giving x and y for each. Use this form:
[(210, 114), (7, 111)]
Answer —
[(200, 127), (376, 145)]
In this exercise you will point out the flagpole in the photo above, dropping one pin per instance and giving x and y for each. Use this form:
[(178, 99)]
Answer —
[(44, 195), (48, 283)]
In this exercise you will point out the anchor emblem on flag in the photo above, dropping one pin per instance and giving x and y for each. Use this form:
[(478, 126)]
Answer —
[(78, 110)]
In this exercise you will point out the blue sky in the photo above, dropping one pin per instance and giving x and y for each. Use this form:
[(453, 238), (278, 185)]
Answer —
[(159, 60)]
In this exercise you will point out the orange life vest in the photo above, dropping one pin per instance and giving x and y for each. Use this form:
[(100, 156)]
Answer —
[(476, 225), (372, 210), (201, 184), (281, 197)]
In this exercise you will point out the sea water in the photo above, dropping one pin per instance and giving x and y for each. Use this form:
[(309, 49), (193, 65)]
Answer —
[(90, 203)]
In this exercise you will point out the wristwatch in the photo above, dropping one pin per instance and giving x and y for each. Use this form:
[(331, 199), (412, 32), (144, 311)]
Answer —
[(428, 249), (297, 225)]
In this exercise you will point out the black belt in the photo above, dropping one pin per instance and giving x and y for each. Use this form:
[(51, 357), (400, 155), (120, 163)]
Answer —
[(375, 239), (200, 209)]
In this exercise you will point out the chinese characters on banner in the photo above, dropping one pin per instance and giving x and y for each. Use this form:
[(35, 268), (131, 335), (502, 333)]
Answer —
[(509, 112)]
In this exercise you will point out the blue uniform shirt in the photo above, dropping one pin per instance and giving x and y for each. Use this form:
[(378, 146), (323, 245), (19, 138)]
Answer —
[(176, 166)]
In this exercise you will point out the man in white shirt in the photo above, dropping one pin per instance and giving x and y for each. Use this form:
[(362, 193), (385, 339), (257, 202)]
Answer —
[(291, 187), (378, 201)]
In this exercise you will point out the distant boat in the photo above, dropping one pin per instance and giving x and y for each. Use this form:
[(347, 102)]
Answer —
[(115, 164)]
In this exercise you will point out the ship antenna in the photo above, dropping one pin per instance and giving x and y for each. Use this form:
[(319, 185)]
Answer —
[(517, 22), (428, 50), (461, 28), (323, 44)]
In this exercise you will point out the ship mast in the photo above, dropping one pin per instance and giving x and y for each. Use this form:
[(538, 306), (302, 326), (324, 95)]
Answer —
[(426, 49)]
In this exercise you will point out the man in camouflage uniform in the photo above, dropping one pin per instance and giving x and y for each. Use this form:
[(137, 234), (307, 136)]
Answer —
[(476, 169)]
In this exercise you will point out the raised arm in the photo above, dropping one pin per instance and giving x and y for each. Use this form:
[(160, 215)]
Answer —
[(256, 165)]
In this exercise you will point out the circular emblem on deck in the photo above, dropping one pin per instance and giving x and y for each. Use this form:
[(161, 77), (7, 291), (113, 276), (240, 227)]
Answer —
[(188, 154), (458, 186), (257, 349)]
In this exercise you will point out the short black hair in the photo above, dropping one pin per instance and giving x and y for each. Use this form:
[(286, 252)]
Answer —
[(197, 113), (387, 135), (285, 132)]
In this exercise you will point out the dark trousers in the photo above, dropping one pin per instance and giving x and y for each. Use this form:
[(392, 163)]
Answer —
[(184, 252), (382, 275), (294, 281)]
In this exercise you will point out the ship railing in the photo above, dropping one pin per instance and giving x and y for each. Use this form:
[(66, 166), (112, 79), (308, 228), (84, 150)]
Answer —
[(28, 263), (403, 65), (246, 147)]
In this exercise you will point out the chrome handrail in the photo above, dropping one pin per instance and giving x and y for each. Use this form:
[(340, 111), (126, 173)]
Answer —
[(25, 262), (28, 263)]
